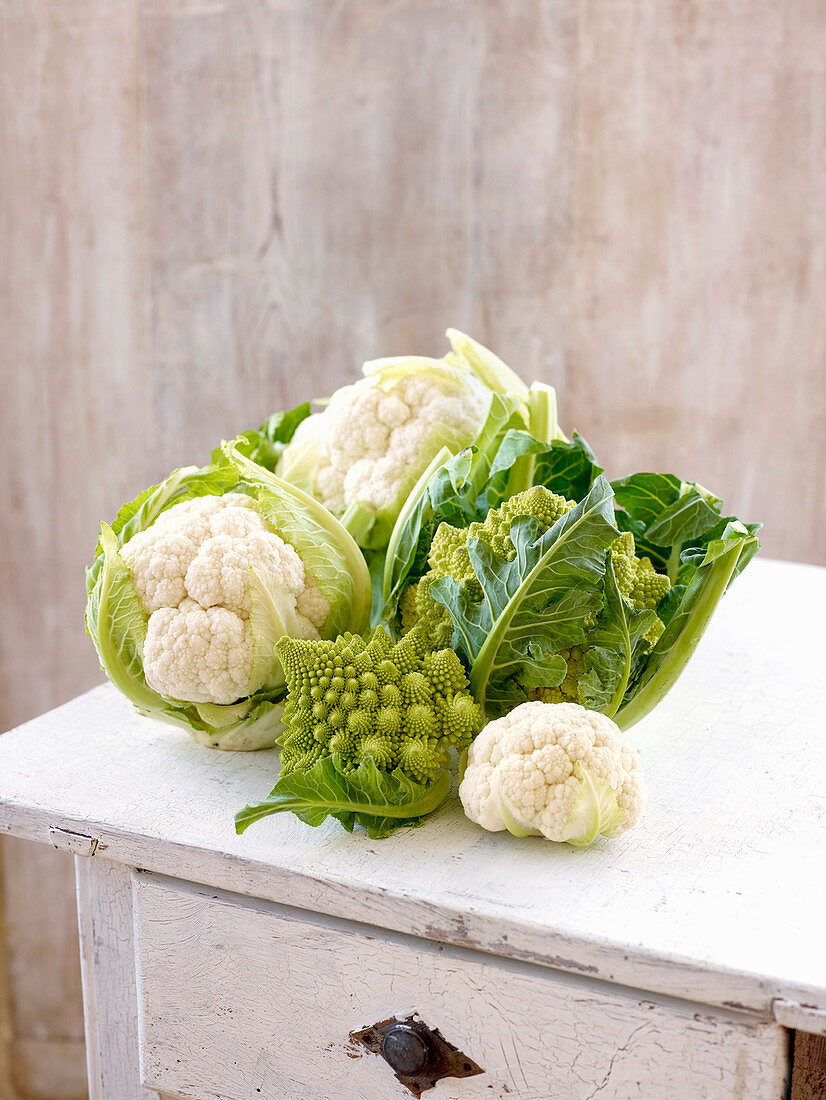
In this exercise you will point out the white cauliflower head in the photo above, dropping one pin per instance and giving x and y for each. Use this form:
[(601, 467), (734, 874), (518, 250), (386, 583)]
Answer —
[(554, 769), (219, 587), (377, 436)]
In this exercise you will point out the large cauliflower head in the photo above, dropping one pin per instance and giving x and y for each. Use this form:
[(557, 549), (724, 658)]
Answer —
[(376, 437), (208, 572), (554, 769)]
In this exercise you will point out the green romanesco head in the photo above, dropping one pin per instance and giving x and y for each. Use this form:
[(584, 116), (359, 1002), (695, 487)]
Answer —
[(404, 705), (642, 586), (449, 557), (448, 552)]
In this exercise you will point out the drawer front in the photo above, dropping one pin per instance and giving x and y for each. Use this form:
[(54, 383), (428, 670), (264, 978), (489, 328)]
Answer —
[(245, 1000)]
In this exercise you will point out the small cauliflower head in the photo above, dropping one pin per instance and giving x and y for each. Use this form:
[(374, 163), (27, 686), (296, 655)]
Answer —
[(377, 436), (219, 588), (553, 769)]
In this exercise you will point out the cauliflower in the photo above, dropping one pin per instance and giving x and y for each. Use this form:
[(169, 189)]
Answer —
[(375, 438), (192, 570), (555, 770), (194, 584)]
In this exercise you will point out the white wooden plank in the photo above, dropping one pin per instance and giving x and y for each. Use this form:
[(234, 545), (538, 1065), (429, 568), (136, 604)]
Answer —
[(734, 760), (245, 999), (799, 1017), (104, 892)]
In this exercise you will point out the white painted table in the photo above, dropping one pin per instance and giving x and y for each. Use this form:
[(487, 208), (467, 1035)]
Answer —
[(669, 963)]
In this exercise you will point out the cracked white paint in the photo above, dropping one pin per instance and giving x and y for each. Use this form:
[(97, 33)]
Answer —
[(239, 996)]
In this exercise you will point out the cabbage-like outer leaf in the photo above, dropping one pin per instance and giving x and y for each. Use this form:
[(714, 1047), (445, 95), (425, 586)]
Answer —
[(595, 811), (679, 526), (117, 623), (690, 616), (615, 646), (532, 605), (487, 366), (329, 553), (380, 801)]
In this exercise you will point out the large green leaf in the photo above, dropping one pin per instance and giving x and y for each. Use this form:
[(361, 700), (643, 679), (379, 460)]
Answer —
[(615, 646), (532, 604), (679, 525), (328, 551), (381, 802), (687, 621), (665, 515)]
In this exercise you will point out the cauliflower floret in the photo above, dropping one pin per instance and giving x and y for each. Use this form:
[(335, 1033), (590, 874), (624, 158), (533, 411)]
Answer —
[(200, 655), (160, 556), (376, 437), (311, 605), (159, 561), (554, 769), (195, 518), (191, 569), (219, 573)]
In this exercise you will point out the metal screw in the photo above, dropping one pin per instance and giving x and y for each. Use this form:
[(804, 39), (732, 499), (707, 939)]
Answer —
[(405, 1050)]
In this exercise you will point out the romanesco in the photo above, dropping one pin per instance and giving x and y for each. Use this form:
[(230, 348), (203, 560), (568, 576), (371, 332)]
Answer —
[(636, 578), (642, 586), (404, 705)]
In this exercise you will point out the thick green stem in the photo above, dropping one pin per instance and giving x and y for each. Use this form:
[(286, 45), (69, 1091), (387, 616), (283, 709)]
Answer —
[(676, 657), (542, 425), (410, 506)]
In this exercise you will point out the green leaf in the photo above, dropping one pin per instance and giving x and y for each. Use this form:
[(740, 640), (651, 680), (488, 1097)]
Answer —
[(645, 496), (563, 467), (380, 801), (250, 724), (614, 648), (595, 811), (116, 623), (328, 551), (272, 617), (688, 621), (543, 427), (265, 444), (488, 367), (533, 604)]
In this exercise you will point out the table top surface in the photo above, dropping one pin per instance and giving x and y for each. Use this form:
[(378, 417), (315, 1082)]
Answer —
[(718, 896)]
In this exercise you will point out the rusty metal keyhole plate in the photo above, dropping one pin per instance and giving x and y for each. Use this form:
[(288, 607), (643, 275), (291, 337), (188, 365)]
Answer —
[(420, 1056)]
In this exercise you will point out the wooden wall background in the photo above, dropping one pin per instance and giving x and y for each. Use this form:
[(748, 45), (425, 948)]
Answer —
[(208, 209)]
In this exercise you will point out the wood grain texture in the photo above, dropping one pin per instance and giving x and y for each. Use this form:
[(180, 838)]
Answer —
[(697, 340), (809, 1072), (104, 896), (272, 994), (209, 209), (73, 373)]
